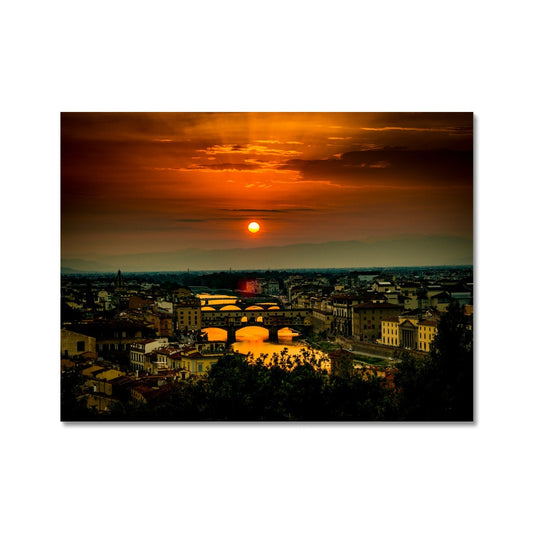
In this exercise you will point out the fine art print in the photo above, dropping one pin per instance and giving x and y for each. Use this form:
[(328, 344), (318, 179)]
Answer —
[(267, 267)]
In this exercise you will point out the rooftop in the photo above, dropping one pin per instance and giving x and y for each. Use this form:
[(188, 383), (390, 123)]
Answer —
[(377, 305)]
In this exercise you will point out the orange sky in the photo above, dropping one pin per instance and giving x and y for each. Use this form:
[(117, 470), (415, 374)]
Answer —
[(149, 182)]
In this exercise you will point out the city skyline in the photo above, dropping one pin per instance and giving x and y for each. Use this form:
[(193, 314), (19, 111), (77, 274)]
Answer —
[(159, 183)]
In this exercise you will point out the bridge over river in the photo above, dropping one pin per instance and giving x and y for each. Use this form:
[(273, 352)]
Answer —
[(231, 320)]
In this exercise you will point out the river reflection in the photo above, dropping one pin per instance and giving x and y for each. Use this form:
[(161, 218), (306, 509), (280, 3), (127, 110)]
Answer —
[(258, 347), (254, 340)]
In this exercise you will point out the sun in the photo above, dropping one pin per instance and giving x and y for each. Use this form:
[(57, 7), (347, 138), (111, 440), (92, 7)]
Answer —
[(253, 227)]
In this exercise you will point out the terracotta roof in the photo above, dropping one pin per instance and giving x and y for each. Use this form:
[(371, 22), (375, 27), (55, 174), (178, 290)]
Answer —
[(148, 392), (193, 355), (123, 380), (92, 370)]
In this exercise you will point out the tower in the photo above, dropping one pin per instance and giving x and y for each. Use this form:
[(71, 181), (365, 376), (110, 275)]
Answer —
[(119, 282)]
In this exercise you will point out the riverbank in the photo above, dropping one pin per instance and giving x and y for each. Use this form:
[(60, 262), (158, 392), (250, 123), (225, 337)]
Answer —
[(364, 352)]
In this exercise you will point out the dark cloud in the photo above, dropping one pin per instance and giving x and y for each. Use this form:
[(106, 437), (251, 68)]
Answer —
[(123, 126), (226, 166), (391, 167), (420, 120)]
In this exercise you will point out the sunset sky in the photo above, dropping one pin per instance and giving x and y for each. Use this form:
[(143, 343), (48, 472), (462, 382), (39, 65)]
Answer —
[(159, 182)]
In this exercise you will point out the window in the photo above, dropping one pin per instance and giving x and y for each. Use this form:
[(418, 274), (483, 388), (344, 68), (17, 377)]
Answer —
[(80, 346), (200, 367)]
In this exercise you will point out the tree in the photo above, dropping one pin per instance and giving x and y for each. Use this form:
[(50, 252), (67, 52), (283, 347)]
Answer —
[(440, 386)]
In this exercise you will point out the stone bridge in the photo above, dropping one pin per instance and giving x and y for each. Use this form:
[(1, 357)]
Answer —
[(271, 319), (214, 304)]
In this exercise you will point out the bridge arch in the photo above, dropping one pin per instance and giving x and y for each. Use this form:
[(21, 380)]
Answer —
[(231, 320), (216, 334), (230, 308)]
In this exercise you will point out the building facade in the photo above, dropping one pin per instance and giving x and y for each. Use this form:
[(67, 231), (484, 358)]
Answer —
[(367, 318), (140, 351), (187, 313), (409, 332), (73, 343)]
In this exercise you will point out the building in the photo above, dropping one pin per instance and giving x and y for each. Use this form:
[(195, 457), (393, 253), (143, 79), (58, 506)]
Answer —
[(409, 331), (438, 300), (98, 389), (163, 359), (342, 362), (427, 331), (118, 284), (367, 318), (140, 350), (412, 294), (197, 363), (382, 286), (163, 323), (73, 343), (187, 311), (136, 302), (148, 390), (390, 332), (113, 337), (104, 301), (341, 306), (322, 314), (163, 305), (271, 286)]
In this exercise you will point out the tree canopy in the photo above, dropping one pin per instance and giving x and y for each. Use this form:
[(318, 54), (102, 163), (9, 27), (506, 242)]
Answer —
[(440, 387)]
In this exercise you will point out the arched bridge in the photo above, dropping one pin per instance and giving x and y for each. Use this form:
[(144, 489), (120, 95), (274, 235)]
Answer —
[(273, 320), (217, 305)]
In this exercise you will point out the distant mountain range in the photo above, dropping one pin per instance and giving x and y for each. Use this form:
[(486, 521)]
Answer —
[(415, 251)]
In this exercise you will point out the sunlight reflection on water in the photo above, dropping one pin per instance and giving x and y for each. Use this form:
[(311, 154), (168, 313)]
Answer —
[(254, 340)]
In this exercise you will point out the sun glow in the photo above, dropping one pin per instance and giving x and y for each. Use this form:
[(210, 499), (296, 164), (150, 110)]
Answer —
[(253, 227)]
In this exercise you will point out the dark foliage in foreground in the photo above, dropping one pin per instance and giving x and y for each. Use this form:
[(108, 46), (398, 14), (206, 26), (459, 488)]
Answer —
[(440, 387), (437, 387), (238, 390)]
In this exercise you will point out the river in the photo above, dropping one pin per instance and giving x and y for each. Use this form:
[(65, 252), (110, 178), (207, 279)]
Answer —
[(254, 340)]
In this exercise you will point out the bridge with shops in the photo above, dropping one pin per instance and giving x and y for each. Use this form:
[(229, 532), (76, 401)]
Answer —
[(223, 303), (231, 320)]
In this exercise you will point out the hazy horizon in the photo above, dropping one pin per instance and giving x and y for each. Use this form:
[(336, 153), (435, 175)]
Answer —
[(420, 251)]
